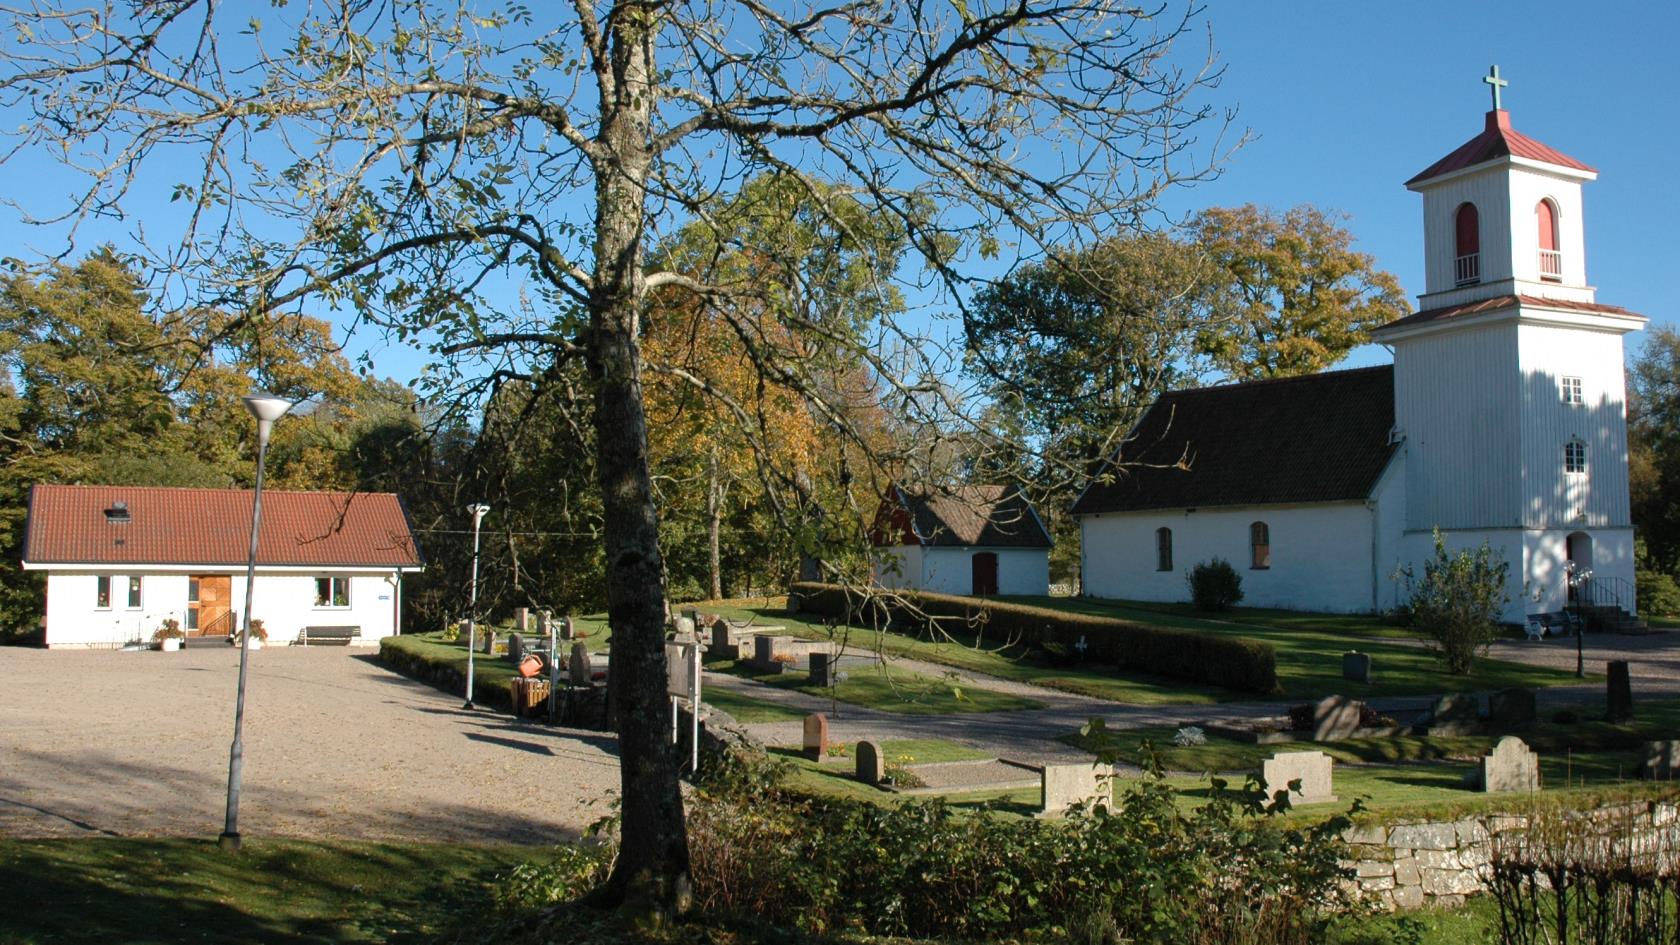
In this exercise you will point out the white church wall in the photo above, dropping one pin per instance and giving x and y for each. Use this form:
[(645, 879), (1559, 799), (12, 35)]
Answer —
[(1320, 554), (1440, 221), (1528, 187), (899, 567), (1536, 580), (1390, 544), (1552, 497), (1463, 463)]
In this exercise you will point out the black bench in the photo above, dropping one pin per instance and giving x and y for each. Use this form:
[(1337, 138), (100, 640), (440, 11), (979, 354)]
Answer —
[(340, 636)]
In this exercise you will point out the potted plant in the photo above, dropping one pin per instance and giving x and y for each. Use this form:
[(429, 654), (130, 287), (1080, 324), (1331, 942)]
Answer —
[(259, 634), (168, 636)]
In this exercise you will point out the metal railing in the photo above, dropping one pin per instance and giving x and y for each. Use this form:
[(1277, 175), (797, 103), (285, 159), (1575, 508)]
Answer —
[(1551, 264), (220, 627), (1467, 269), (1614, 592)]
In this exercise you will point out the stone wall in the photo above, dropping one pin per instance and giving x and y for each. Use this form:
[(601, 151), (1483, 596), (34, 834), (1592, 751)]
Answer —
[(1421, 864)]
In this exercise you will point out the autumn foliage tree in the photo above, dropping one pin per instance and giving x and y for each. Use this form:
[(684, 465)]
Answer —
[(494, 181)]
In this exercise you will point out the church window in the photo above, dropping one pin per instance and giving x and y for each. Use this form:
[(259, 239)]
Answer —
[(1574, 457), (1260, 545), (1551, 259), (1572, 390), (1467, 262), (1163, 549)]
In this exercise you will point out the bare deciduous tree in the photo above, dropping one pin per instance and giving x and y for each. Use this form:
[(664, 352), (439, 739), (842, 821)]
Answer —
[(420, 163)]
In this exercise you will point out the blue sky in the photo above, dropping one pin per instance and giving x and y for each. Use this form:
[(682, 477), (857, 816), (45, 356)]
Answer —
[(1351, 99)]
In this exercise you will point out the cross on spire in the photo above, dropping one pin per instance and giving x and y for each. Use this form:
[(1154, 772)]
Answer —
[(1493, 79)]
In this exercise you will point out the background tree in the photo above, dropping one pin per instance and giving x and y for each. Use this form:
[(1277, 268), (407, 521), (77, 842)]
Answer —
[(404, 157), (1654, 447), (1300, 297)]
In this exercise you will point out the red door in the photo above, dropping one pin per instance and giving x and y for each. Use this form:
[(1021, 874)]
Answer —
[(985, 574)]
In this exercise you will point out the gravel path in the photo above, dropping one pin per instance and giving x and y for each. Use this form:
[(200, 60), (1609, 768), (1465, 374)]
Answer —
[(335, 746)]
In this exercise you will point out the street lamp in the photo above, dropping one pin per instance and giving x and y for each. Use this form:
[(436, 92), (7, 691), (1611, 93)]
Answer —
[(477, 510), (267, 408)]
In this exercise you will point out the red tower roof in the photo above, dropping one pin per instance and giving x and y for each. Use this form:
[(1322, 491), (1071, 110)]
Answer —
[(1497, 140)]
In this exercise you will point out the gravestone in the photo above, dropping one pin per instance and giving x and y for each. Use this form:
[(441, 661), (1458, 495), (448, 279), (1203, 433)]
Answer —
[(488, 644), (578, 666), (1356, 666), (1618, 695), (1511, 709), (871, 764), (568, 630), (1067, 785), (822, 669), (816, 736), (516, 647), (1458, 713), (692, 615), (522, 619), (1336, 718), (1312, 768), (1510, 767), (1662, 760), (765, 650), (545, 623), (685, 629)]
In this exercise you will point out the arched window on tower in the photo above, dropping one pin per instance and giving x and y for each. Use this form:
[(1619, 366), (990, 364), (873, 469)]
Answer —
[(1551, 257), (1467, 261)]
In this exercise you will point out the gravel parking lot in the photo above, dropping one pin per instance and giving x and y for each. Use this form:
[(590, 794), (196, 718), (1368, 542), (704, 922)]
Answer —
[(335, 746)]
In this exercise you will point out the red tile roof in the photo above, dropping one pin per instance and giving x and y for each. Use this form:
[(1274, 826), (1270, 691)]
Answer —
[(1502, 302), (1497, 140), (1315, 438), (962, 516), (70, 525)]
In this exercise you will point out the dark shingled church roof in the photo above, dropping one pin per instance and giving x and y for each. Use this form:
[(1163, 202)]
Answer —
[(981, 516), (1317, 438)]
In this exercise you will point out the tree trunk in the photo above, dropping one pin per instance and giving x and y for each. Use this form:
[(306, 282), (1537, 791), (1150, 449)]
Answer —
[(652, 872), (714, 521)]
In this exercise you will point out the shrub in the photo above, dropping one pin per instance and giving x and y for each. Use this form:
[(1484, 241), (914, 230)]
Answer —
[(170, 629), (1232, 662), (1458, 600), (1214, 585), (1657, 593)]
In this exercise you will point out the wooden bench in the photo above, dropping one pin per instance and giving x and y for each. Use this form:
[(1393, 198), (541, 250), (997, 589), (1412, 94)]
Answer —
[(339, 636)]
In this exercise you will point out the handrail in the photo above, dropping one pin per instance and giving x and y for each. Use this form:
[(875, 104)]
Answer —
[(1615, 592)]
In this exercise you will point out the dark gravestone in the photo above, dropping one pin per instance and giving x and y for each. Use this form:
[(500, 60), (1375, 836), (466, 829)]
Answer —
[(578, 668), (516, 647), (871, 764), (568, 630), (1618, 692), (1336, 718), (822, 669), (1511, 709), (1457, 714), (816, 736), (1356, 666)]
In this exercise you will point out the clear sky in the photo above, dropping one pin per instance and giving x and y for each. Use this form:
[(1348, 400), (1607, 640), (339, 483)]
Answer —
[(1350, 99)]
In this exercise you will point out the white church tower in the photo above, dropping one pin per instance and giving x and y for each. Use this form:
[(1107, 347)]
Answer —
[(1509, 391)]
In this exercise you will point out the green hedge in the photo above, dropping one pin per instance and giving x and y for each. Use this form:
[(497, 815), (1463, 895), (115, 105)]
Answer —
[(1232, 662), (444, 665)]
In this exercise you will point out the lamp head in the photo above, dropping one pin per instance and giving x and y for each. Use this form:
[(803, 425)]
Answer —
[(266, 407), (478, 510)]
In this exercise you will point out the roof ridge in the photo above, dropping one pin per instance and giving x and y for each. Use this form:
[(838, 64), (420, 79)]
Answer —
[(231, 489), (1270, 381)]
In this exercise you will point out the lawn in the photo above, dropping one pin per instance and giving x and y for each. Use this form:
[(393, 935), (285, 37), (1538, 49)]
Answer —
[(746, 708), (280, 892), (888, 689), (1309, 654)]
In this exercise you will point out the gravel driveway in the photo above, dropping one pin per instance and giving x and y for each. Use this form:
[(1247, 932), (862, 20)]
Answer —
[(335, 746)]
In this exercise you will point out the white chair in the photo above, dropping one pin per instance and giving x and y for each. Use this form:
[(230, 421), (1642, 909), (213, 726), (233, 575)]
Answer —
[(1536, 628)]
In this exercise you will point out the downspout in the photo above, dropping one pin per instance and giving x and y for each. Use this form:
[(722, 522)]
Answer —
[(1376, 607), (396, 596)]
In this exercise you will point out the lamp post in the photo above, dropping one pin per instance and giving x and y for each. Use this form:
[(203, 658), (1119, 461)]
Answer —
[(477, 510), (267, 408)]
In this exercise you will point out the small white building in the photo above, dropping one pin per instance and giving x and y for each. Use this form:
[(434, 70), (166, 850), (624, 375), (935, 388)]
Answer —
[(120, 560), (969, 540), (1502, 419)]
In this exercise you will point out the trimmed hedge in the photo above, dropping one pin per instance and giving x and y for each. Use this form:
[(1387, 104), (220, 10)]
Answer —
[(1231, 662), (445, 667)]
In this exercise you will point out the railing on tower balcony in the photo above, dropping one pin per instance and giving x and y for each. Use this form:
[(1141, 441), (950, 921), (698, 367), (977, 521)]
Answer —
[(1551, 265), (1467, 269)]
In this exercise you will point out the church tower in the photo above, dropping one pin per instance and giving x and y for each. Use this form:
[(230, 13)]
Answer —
[(1509, 393)]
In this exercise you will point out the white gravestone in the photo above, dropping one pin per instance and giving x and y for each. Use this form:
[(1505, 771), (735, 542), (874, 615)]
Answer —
[(1067, 785), (1511, 766), (1311, 768)]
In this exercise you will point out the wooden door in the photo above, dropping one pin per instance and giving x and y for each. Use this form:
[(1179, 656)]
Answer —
[(210, 605), (985, 574)]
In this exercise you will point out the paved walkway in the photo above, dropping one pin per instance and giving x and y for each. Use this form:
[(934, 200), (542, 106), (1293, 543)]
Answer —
[(335, 745)]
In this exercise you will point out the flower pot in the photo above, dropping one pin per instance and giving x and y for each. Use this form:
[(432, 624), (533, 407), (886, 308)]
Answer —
[(256, 644), (169, 644)]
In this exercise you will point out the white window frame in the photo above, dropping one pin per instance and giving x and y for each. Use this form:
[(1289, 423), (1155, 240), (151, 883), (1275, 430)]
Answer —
[(135, 595), (1572, 390), (102, 588), (1575, 458), (328, 600)]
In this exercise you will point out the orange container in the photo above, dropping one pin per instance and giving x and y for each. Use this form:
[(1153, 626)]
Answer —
[(529, 666)]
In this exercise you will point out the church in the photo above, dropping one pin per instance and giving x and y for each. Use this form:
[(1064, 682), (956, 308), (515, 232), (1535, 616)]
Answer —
[(1502, 419)]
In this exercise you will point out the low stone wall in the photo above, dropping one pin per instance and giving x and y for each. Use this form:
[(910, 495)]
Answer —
[(1424, 864)]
